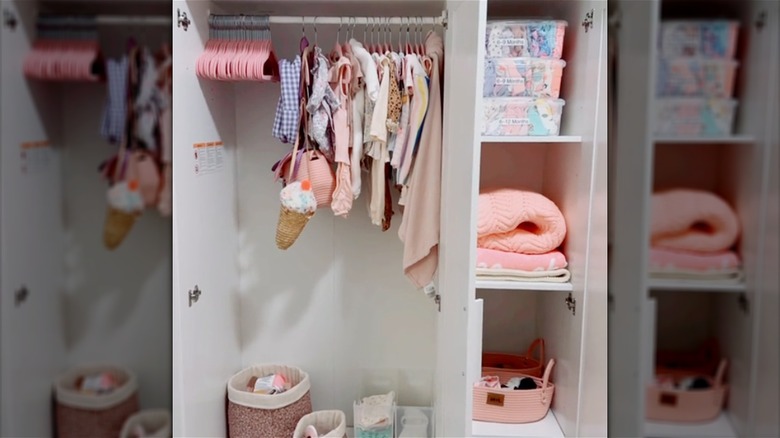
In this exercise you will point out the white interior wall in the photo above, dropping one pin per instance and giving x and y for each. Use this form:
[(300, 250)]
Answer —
[(117, 304), (336, 303)]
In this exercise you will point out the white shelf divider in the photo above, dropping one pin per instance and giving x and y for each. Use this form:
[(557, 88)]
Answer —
[(728, 139), (663, 284), (523, 285), (533, 139), (547, 427), (719, 428)]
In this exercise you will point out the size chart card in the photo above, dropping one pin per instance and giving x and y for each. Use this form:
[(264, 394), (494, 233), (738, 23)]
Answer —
[(209, 157)]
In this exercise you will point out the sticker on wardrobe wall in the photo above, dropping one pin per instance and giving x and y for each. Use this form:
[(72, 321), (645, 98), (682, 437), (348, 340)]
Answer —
[(209, 157), (35, 156)]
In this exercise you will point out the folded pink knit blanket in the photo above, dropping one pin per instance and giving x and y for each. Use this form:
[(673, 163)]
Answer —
[(518, 221), (662, 259), (693, 220)]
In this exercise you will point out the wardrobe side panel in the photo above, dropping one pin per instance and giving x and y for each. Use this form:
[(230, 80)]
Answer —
[(592, 416), (31, 235), (206, 236), (459, 325), (633, 175)]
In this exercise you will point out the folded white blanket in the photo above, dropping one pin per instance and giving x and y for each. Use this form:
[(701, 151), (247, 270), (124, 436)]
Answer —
[(551, 276)]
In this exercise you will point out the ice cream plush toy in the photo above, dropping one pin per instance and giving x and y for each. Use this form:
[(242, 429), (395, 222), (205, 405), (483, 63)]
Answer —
[(298, 206), (125, 204)]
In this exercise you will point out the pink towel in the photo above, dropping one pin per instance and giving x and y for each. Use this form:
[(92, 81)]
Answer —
[(492, 259), (518, 221), (670, 259), (693, 220)]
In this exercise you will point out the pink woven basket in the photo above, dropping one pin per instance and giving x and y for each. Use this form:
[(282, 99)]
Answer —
[(257, 415), (505, 366), (80, 415), (679, 405), (499, 405)]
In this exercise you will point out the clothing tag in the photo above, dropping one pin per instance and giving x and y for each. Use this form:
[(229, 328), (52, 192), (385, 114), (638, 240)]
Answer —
[(34, 156), (430, 289), (209, 157)]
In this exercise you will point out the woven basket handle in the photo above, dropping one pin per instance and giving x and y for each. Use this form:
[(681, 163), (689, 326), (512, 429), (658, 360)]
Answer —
[(547, 372), (721, 374), (537, 343)]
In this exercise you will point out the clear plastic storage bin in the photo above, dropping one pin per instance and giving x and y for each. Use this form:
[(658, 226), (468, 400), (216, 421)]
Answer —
[(523, 77), (414, 422), (696, 77), (694, 117), (521, 38), (521, 116), (708, 38), (381, 428)]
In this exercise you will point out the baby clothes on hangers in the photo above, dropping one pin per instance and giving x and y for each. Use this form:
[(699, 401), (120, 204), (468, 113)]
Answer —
[(342, 196), (321, 105), (115, 111), (286, 119), (368, 69)]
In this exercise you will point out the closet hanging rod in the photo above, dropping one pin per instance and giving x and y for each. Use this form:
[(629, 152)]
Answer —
[(148, 20), (361, 20)]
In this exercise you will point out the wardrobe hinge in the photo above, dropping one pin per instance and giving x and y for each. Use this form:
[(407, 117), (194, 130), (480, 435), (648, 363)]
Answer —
[(194, 295), (571, 303), (444, 16), (182, 20), (9, 19), (761, 20), (437, 300), (587, 23), (20, 296), (744, 304)]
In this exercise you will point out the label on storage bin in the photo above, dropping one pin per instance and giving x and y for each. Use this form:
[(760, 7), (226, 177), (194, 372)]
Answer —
[(495, 399), (668, 399), (510, 41), (510, 80), (34, 156), (209, 157)]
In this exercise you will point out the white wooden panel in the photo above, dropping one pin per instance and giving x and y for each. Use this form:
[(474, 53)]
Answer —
[(205, 226), (460, 185), (636, 38), (31, 344)]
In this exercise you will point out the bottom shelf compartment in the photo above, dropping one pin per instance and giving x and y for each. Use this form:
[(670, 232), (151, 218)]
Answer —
[(546, 427), (720, 427)]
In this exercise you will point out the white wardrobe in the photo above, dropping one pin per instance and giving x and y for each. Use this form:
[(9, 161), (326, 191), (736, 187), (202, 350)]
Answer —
[(651, 314), (337, 304), (65, 300)]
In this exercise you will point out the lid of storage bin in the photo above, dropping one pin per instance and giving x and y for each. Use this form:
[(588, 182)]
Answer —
[(526, 100), (698, 60), (702, 100), (67, 394), (529, 59), (529, 21)]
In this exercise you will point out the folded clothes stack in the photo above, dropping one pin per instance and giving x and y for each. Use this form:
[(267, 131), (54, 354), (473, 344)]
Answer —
[(692, 235), (518, 236)]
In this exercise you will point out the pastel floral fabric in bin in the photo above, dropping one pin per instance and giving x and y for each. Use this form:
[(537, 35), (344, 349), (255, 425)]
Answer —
[(694, 117), (711, 39), (523, 77), (696, 77), (525, 38), (521, 116)]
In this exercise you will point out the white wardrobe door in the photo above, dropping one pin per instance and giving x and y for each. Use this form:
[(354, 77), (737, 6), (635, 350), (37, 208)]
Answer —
[(459, 326), (206, 344), (31, 250), (592, 416)]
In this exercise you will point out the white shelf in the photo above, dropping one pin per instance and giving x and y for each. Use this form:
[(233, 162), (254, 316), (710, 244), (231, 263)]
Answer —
[(694, 285), (533, 139), (523, 285), (546, 427), (719, 428), (729, 139)]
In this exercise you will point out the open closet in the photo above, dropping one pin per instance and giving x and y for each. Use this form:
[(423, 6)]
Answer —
[(74, 293), (696, 133), (336, 303)]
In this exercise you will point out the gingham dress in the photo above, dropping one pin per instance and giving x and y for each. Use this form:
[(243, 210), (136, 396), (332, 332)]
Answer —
[(286, 120)]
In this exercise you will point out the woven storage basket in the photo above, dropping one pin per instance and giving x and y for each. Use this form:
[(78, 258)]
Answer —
[(81, 415), (155, 423), (705, 360), (679, 405), (500, 405), (505, 366), (272, 416), (329, 424)]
